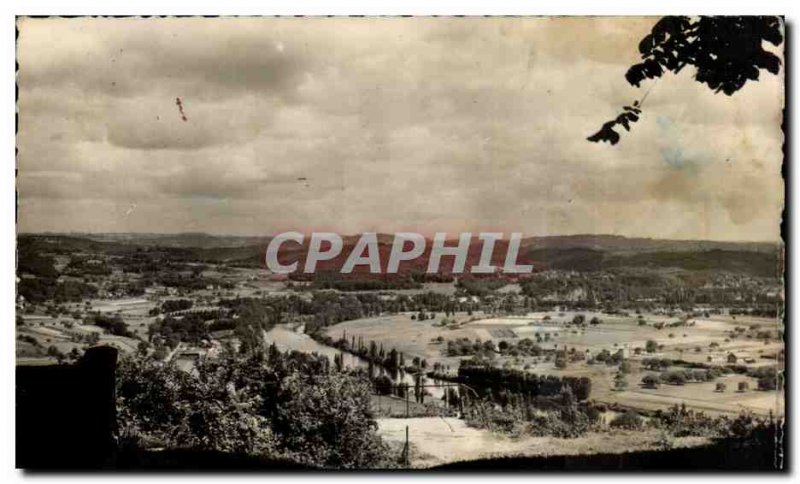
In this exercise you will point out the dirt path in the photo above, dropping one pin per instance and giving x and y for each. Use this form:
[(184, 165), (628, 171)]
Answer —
[(436, 441)]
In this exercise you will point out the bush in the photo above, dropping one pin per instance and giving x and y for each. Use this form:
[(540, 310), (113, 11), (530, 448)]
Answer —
[(629, 420), (767, 383), (383, 385)]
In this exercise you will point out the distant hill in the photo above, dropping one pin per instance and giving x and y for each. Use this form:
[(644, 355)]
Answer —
[(599, 242), (197, 240), (756, 263), (572, 252), (617, 243)]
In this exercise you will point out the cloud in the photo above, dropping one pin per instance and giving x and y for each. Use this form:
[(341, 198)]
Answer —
[(381, 124)]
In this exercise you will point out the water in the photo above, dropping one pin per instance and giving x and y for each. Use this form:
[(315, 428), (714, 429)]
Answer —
[(287, 338)]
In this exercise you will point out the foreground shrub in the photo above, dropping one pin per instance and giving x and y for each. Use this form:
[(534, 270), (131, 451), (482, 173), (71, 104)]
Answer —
[(279, 405), (629, 420)]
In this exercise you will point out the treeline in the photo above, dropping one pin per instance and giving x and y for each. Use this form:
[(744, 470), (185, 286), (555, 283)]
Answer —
[(39, 289), (194, 282), (173, 305), (360, 282), (39, 280), (81, 265), (374, 353), (763, 311), (768, 377), (479, 286), (192, 327), (113, 324), (478, 375), (645, 287)]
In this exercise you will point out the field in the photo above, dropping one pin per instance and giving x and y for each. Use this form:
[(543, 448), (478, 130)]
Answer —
[(66, 333), (411, 337), (690, 342), (436, 441)]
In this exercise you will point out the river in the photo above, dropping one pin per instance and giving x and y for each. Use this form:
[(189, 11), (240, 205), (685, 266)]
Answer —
[(287, 337)]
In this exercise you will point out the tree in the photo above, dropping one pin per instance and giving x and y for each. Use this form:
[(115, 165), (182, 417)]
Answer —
[(721, 387), (204, 411), (55, 353), (726, 52), (338, 362), (651, 381), (326, 420), (675, 378), (142, 348), (651, 346), (620, 383), (743, 386)]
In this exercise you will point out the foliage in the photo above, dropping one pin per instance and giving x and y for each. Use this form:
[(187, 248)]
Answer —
[(264, 402), (173, 305), (630, 420), (483, 377), (560, 416), (651, 381), (725, 51), (325, 419), (113, 324), (182, 410)]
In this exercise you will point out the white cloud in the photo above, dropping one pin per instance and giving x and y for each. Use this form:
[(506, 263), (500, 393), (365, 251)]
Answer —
[(381, 124)]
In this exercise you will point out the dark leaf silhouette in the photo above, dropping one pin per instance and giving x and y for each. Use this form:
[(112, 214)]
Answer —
[(629, 115), (726, 52), (606, 133)]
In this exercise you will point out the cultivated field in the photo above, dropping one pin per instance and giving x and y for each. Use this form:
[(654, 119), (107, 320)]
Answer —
[(690, 343)]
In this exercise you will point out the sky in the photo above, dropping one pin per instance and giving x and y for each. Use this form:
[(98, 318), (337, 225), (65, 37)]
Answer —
[(382, 124)]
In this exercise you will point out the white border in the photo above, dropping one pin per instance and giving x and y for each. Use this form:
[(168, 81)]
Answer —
[(791, 9)]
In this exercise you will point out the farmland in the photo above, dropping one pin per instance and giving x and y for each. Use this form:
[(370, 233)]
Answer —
[(573, 361), (700, 341)]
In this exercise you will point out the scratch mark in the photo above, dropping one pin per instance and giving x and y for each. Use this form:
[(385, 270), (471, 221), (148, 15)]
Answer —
[(179, 103)]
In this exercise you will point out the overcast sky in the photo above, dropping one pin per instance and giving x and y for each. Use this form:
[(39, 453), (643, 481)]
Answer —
[(356, 125)]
